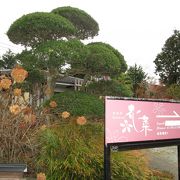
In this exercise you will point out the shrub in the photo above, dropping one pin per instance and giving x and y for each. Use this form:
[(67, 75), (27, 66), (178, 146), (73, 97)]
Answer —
[(19, 121), (78, 103)]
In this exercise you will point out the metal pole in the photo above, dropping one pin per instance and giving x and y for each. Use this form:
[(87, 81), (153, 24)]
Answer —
[(107, 168), (178, 153)]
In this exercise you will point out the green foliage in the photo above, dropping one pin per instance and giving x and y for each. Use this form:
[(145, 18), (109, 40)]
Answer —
[(78, 103), (34, 67), (86, 26), (125, 79), (35, 76), (174, 91), (137, 76), (48, 59), (28, 60), (168, 61), (66, 154), (109, 88), (7, 60), (123, 65), (102, 61), (69, 151), (55, 54), (31, 29), (44, 33)]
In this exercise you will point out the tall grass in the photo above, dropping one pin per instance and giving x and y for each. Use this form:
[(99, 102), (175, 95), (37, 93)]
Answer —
[(69, 151)]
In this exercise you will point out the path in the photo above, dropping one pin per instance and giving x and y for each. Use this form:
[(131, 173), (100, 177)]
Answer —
[(164, 159)]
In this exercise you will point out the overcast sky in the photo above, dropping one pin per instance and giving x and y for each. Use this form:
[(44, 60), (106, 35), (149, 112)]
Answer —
[(137, 28)]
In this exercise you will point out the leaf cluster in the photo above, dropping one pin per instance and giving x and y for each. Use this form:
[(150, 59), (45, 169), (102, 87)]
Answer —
[(102, 60), (38, 27), (85, 25)]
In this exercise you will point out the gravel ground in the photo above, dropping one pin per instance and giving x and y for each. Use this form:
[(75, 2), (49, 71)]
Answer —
[(164, 159)]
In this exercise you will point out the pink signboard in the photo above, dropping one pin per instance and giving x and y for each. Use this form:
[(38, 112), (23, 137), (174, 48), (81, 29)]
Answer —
[(133, 121)]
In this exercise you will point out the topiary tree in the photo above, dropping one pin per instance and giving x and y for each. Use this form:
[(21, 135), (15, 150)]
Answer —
[(86, 26), (45, 33)]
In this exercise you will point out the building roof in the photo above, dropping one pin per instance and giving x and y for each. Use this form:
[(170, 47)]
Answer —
[(68, 79)]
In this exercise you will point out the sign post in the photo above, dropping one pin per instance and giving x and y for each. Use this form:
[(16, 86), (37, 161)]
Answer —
[(107, 167), (140, 123), (178, 152)]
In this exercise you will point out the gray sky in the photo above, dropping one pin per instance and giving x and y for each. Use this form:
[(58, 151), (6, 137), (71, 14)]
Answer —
[(137, 28)]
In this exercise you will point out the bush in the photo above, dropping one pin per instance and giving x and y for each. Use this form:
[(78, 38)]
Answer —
[(109, 88), (19, 121), (78, 103), (70, 151)]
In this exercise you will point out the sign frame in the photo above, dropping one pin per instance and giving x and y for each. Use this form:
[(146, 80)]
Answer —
[(123, 146)]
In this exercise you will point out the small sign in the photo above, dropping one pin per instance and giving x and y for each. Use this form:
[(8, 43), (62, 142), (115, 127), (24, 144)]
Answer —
[(135, 120)]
